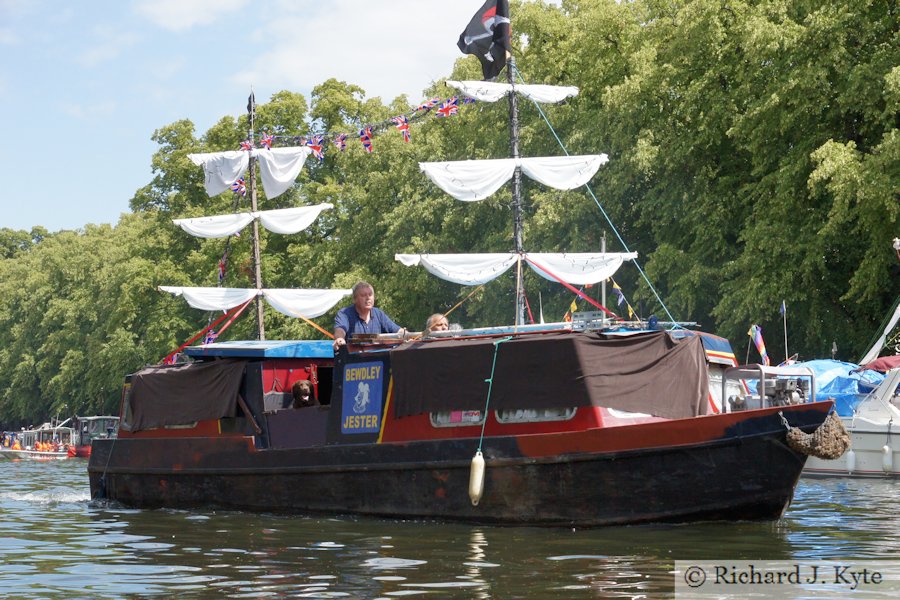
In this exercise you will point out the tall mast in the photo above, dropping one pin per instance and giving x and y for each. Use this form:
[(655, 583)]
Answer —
[(516, 188), (260, 327)]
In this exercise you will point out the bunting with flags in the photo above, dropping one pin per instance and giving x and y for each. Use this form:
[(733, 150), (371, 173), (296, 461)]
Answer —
[(755, 334), (221, 267), (448, 108), (617, 291), (365, 136), (239, 186), (403, 125), (572, 308), (441, 107), (430, 103), (317, 144), (211, 336)]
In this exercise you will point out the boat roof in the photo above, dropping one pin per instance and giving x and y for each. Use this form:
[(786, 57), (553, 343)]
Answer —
[(324, 349), (264, 349)]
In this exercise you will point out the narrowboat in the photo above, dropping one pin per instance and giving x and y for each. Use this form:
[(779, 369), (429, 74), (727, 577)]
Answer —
[(575, 428)]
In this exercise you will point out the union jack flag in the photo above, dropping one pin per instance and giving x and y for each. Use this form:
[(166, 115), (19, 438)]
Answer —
[(211, 336), (239, 187), (266, 140), (429, 104), (450, 107), (340, 141), (246, 145), (365, 136), (317, 144), (403, 125), (468, 100)]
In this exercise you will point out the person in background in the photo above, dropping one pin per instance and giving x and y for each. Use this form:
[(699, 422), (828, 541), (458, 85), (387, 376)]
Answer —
[(436, 322), (362, 316)]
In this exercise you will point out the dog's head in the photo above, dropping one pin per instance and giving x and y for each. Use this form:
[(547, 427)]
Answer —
[(303, 393)]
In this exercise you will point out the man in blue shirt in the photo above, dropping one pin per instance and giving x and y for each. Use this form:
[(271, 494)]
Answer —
[(362, 316)]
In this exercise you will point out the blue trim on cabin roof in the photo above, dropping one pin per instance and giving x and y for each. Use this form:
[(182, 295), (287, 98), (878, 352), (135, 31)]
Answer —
[(711, 342), (266, 349)]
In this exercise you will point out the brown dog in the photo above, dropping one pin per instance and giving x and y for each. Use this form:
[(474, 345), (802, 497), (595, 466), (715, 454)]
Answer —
[(304, 394)]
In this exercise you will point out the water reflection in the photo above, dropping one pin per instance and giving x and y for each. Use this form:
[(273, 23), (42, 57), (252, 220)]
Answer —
[(54, 542)]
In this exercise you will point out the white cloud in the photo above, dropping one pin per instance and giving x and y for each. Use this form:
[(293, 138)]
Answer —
[(386, 52), (89, 111), (109, 47), (181, 15), (8, 37)]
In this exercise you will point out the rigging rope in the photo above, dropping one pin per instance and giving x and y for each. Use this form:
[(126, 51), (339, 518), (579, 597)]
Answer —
[(490, 383), (606, 216)]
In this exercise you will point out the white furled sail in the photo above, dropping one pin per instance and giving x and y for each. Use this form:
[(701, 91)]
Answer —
[(212, 298), (474, 269), (291, 220), (278, 168), (221, 168), (309, 303), (578, 268), (490, 91), (465, 269), (284, 221), (215, 227), (471, 180), (563, 172)]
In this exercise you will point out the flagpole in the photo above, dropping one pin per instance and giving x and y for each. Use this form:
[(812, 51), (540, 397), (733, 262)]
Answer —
[(603, 283), (784, 320), (516, 187), (257, 270)]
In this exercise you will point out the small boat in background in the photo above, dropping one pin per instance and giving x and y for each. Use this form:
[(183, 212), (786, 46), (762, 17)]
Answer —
[(873, 450), (88, 429), (50, 441)]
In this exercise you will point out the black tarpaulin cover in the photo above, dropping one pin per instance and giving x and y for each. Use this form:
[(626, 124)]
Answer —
[(180, 394), (646, 372)]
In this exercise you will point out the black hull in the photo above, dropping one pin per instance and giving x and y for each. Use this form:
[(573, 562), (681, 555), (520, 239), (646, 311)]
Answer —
[(746, 473)]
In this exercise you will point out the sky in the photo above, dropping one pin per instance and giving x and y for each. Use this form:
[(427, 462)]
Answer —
[(84, 83)]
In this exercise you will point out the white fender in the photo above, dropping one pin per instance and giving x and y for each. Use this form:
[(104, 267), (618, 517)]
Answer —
[(476, 478), (851, 461), (887, 458)]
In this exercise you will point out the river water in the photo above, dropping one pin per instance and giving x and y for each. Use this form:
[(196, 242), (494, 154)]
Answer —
[(55, 542)]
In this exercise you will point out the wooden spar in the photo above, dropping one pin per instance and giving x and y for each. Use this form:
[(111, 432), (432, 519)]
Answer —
[(257, 271), (516, 187)]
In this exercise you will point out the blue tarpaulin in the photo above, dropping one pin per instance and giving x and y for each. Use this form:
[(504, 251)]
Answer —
[(842, 382)]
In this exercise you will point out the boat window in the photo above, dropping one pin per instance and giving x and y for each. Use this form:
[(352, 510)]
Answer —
[(182, 426), (535, 415), (456, 418)]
